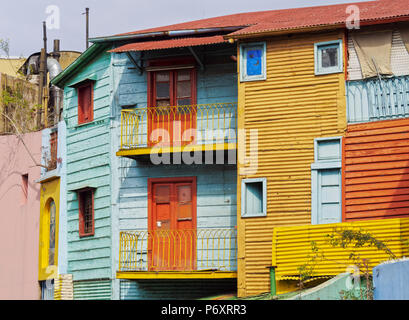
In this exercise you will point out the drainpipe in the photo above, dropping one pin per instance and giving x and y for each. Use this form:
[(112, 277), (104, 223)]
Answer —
[(273, 287)]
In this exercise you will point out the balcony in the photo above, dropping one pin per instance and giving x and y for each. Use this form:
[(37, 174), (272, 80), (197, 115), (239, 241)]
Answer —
[(377, 99), (178, 128), (169, 254)]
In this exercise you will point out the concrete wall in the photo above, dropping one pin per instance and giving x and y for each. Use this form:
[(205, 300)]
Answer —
[(19, 217)]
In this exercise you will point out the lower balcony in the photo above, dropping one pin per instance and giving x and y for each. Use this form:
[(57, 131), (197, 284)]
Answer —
[(377, 99), (172, 254), (200, 127)]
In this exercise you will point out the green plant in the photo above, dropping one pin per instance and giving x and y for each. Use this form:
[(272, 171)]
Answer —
[(347, 239), (306, 271), (18, 108)]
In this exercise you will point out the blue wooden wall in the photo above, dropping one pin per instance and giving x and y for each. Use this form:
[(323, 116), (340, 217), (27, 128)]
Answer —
[(121, 183), (216, 184)]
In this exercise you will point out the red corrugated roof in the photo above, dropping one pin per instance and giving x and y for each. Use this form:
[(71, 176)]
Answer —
[(166, 44), (291, 19), (287, 19)]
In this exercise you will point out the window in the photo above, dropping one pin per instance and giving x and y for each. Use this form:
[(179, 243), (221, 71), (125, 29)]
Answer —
[(326, 181), (253, 61), (328, 57), (86, 211), (173, 88), (254, 197), (85, 102), (52, 164), (51, 247), (24, 187)]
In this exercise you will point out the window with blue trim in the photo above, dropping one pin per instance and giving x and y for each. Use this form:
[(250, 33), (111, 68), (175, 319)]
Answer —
[(253, 197), (253, 61), (328, 57)]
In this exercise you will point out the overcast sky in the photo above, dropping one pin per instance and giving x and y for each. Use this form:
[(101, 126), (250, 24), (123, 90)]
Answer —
[(21, 20)]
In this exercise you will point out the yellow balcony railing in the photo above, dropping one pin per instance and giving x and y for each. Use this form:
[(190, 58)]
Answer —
[(178, 250), (178, 125)]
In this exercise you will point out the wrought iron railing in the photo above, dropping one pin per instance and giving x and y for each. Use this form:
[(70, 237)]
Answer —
[(377, 99), (178, 250), (178, 125)]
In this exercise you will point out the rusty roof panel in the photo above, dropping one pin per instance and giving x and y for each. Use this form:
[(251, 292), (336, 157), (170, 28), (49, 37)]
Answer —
[(167, 44)]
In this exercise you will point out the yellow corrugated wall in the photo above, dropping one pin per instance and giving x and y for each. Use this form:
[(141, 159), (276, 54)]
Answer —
[(289, 110), (292, 246)]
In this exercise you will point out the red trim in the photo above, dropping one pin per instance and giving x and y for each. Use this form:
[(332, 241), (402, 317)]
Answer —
[(81, 214), (343, 179), (346, 52), (164, 62), (90, 107)]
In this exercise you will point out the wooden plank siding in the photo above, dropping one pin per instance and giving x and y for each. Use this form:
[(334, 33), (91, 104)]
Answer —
[(289, 109), (88, 164), (377, 170), (216, 183)]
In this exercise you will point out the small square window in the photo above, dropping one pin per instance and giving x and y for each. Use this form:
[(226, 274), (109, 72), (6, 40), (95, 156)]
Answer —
[(253, 61), (328, 57), (254, 197), (86, 212), (328, 149)]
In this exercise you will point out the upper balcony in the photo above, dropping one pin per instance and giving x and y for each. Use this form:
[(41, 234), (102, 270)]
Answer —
[(164, 129), (377, 99)]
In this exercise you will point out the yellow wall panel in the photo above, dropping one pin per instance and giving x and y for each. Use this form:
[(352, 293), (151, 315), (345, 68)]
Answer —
[(49, 191), (289, 109), (292, 247)]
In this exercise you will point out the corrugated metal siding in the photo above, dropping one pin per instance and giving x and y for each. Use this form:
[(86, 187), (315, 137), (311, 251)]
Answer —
[(292, 246), (177, 289), (92, 290), (377, 170), (289, 110), (63, 287), (399, 58)]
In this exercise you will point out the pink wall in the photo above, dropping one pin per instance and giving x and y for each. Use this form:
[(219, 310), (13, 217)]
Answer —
[(19, 219)]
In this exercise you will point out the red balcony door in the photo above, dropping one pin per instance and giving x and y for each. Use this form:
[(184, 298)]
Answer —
[(170, 113), (172, 224)]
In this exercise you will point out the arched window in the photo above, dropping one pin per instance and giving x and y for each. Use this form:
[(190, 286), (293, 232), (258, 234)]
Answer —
[(51, 248)]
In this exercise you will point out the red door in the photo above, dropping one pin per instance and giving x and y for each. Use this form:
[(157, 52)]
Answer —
[(170, 112), (172, 224)]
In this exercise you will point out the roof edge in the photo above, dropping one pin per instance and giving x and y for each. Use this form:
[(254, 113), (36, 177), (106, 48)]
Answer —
[(264, 33), (171, 33), (62, 78)]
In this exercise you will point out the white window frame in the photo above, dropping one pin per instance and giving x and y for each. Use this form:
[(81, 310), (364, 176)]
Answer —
[(243, 61), (317, 57), (322, 165), (245, 214)]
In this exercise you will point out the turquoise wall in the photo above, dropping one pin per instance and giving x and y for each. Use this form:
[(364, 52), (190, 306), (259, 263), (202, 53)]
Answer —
[(88, 164)]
